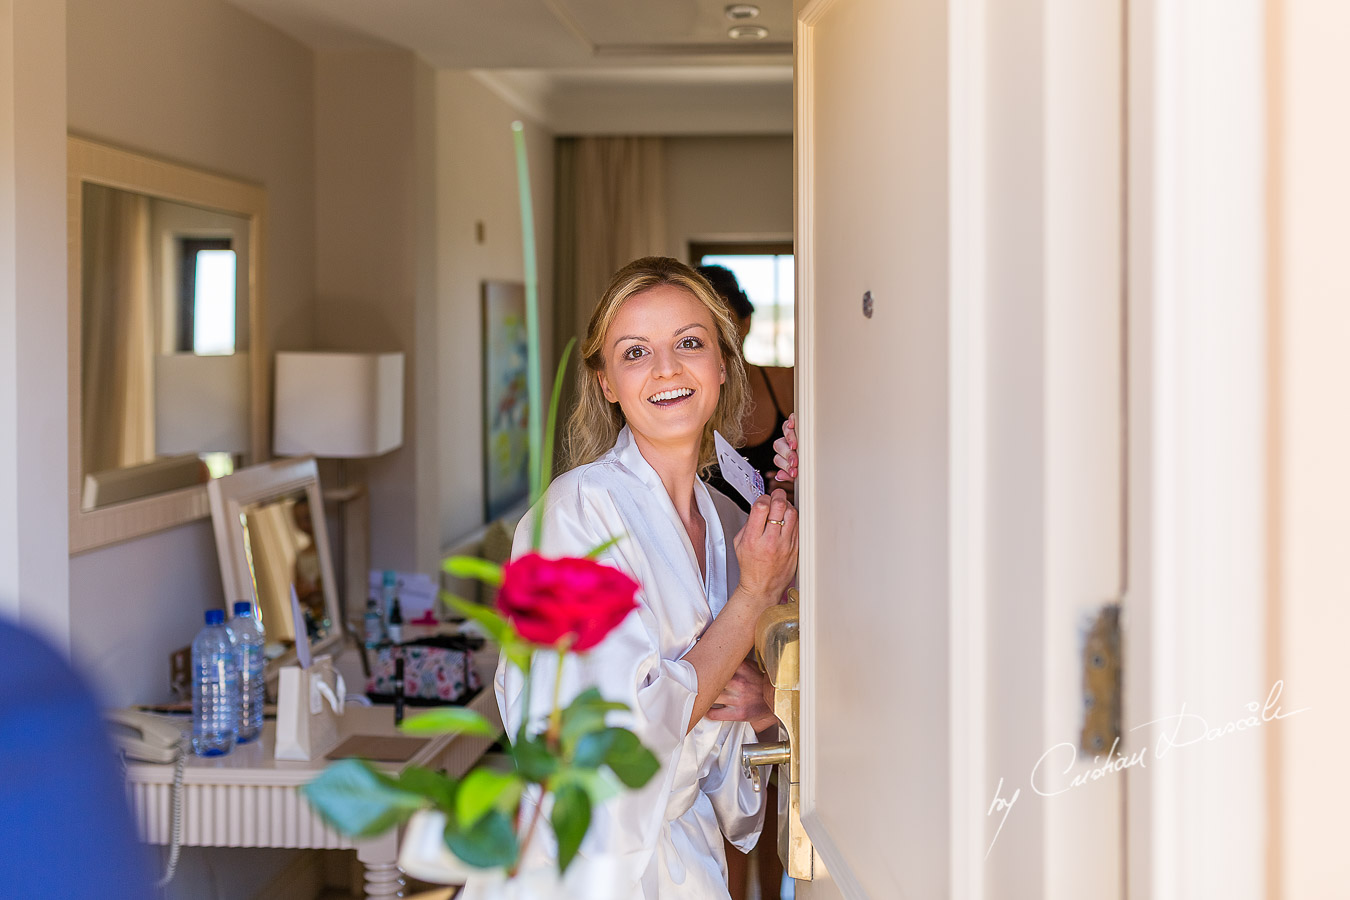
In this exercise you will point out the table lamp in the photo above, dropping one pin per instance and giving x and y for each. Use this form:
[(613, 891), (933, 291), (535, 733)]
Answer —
[(341, 406)]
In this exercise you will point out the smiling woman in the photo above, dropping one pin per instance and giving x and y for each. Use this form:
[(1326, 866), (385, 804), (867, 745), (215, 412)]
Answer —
[(662, 371)]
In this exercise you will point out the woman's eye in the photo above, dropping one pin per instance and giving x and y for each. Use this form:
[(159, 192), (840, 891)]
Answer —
[(633, 352), (690, 343)]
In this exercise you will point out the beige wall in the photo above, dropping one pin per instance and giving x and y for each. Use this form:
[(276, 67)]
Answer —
[(477, 183), (375, 132), (727, 188), (204, 84), (33, 535), (1310, 500)]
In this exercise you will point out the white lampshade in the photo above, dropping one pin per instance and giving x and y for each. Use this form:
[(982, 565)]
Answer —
[(201, 404), (338, 405)]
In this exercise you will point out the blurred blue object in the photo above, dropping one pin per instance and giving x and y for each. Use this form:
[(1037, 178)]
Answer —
[(65, 827)]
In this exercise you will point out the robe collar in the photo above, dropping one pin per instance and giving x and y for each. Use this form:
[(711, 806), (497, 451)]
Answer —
[(628, 455)]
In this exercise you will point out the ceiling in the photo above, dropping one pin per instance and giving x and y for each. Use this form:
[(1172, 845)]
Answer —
[(580, 66)]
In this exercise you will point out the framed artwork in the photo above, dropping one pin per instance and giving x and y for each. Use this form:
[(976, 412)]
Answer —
[(506, 403)]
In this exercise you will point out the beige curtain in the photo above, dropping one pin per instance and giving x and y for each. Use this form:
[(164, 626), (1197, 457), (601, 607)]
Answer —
[(117, 393), (611, 210)]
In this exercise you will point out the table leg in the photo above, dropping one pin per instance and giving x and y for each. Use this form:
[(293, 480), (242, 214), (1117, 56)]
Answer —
[(380, 858)]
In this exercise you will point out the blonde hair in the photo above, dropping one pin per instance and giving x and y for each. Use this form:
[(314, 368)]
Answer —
[(594, 423)]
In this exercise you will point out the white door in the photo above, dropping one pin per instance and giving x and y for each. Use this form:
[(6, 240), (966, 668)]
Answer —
[(960, 402)]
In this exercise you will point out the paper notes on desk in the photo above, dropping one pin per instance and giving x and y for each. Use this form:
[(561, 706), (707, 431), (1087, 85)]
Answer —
[(417, 595)]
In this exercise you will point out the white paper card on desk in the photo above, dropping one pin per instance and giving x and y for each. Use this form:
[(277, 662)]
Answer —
[(737, 471), (309, 702), (301, 632)]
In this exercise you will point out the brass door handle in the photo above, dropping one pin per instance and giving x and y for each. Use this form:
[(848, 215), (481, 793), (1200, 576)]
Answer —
[(777, 753)]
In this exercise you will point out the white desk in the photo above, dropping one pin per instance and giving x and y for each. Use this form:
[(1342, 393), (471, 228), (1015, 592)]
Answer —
[(251, 799)]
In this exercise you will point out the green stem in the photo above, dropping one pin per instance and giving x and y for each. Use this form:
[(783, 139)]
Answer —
[(531, 314), (555, 714)]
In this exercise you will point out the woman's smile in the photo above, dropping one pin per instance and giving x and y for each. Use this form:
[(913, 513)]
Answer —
[(671, 397)]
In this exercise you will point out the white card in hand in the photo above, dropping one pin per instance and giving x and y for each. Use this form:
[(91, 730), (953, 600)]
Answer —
[(737, 471)]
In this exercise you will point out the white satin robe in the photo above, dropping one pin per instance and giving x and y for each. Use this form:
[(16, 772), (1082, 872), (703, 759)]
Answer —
[(664, 840)]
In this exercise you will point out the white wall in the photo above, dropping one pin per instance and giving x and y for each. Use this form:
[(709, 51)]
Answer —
[(727, 188), (1310, 491), (477, 183)]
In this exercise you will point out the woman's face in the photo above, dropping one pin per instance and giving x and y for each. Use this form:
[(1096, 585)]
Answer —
[(662, 364)]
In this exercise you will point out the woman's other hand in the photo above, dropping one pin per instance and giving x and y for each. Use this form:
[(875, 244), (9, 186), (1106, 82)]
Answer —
[(785, 451), (766, 548), (743, 699)]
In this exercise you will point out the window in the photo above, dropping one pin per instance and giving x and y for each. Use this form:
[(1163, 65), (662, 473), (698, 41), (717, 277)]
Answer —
[(765, 272), (206, 303)]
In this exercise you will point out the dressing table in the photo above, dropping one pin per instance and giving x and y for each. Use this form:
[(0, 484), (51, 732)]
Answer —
[(250, 799)]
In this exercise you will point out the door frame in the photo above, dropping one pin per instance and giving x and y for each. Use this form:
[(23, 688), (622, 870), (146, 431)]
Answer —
[(1196, 460), (1198, 367)]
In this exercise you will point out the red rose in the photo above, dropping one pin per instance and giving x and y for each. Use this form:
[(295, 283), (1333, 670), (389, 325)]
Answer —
[(548, 599)]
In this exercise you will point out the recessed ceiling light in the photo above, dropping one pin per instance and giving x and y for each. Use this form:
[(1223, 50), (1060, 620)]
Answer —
[(739, 12), (748, 33)]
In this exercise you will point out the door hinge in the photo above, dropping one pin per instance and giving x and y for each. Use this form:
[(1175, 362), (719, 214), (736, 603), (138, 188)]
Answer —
[(1101, 683)]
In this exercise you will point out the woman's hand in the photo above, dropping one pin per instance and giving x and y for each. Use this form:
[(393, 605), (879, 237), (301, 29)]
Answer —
[(766, 548), (743, 699), (785, 451)]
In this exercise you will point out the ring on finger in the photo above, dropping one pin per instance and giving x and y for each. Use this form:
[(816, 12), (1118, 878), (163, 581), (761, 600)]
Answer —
[(776, 521)]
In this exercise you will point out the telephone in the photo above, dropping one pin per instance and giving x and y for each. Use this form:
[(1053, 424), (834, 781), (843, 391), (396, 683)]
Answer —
[(145, 737)]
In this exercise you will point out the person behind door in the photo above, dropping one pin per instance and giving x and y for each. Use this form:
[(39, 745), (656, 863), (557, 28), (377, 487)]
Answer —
[(661, 369), (771, 391)]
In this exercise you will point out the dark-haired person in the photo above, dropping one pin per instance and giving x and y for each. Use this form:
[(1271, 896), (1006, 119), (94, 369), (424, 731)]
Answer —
[(771, 393)]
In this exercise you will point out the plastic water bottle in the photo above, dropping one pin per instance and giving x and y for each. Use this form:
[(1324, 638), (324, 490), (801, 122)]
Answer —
[(248, 636), (215, 688), (374, 626)]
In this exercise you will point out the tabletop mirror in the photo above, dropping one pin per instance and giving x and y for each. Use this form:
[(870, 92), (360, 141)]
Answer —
[(168, 370), (271, 538)]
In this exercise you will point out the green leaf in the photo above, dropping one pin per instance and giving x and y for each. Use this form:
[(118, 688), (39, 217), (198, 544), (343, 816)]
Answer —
[(435, 786), (627, 758), (601, 548), (359, 801), (584, 715), (448, 720), (592, 748), (473, 567), (571, 817), (489, 844), (485, 789), (534, 761)]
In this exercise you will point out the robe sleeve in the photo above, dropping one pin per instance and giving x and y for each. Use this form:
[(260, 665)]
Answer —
[(626, 666), (739, 807)]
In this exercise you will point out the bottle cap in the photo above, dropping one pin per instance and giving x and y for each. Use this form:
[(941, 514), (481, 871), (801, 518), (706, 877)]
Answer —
[(243, 608), (215, 617), (390, 578)]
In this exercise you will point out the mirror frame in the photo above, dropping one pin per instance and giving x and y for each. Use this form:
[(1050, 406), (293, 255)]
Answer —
[(230, 495), (92, 162)]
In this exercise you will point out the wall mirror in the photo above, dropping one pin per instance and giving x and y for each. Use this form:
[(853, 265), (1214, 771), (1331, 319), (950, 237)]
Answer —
[(271, 538), (168, 366)]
